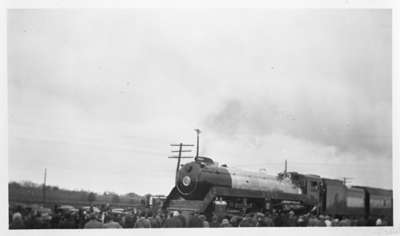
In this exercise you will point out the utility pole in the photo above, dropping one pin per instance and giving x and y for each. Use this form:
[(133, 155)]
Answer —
[(346, 180), (198, 138), (44, 186), (179, 157), (285, 167)]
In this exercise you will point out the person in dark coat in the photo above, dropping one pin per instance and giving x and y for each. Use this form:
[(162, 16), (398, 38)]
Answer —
[(173, 222), (248, 222), (361, 221), (291, 220), (301, 222), (110, 223), (371, 221), (266, 221), (55, 220), (195, 221), (214, 222), (129, 221), (235, 221), (182, 219), (345, 222), (142, 222), (204, 221), (280, 220), (313, 221), (67, 222), (93, 223), (33, 221), (154, 222), (45, 222)]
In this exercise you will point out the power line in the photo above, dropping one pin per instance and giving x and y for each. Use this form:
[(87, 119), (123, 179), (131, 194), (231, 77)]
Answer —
[(179, 157), (303, 163)]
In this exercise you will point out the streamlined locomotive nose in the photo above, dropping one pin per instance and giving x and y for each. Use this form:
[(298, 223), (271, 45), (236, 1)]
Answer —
[(188, 179), (196, 178)]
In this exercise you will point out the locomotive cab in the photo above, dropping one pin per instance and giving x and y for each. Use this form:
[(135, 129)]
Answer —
[(310, 185)]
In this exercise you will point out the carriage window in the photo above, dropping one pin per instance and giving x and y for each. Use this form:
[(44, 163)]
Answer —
[(314, 186)]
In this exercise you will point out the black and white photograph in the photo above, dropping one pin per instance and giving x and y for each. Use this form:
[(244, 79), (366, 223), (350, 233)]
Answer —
[(132, 118)]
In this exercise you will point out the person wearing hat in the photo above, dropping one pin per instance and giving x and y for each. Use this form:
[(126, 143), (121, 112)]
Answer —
[(291, 220), (17, 221), (235, 220), (225, 223), (328, 221), (345, 222), (378, 222), (173, 221), (214, 221), (301, 222), (335, 222), (321, 220), (247, 222), (280, 220), (182, 219), (154, 221), (313, 221), (93, 223), (130, 220), (204, 220), (143, 222), (267, 221)]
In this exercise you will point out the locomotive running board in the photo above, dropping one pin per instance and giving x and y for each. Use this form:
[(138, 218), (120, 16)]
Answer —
[(185, 205), (172, 203), (229, 192)]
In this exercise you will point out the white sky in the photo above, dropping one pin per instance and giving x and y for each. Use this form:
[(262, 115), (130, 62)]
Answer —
[(97, 96)]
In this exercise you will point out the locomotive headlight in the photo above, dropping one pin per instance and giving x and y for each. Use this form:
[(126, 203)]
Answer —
[(186, 181)]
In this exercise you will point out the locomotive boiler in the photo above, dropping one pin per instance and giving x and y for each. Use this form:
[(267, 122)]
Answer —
[(195, 179)]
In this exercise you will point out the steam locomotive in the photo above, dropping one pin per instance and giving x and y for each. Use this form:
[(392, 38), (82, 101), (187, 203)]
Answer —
[(206, 187)]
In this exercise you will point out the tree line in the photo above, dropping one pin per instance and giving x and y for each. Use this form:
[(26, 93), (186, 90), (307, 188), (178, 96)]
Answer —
[(29, 192)]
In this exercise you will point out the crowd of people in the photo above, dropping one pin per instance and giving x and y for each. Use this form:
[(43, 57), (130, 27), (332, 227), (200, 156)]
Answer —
[(29, 218)]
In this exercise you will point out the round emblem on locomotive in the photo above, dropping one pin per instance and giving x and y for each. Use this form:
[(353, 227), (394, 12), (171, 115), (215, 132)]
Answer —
[(186, 181)]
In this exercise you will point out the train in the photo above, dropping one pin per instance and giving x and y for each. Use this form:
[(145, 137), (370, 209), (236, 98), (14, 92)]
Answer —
[(205, 187)]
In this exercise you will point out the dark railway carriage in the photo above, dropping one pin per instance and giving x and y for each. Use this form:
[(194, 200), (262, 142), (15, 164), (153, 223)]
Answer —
[(334, 197), (378, 202), (355, 202)]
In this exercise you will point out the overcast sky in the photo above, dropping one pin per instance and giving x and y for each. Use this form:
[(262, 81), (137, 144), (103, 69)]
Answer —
[(97, 96)]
